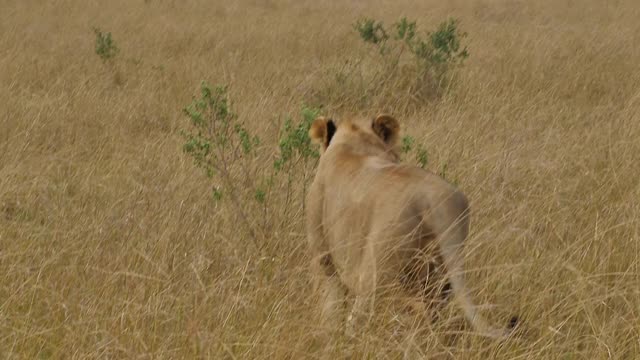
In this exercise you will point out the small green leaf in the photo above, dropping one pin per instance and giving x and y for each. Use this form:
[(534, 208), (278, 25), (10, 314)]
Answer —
[(407, 144), (217, 194), (422, 157), (260, 196)]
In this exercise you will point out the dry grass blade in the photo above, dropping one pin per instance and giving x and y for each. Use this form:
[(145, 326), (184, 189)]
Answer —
[(111, 245)]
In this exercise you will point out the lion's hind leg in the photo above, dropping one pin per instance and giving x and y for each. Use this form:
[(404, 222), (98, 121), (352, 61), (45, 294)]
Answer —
[(331, 291), (365, 293)]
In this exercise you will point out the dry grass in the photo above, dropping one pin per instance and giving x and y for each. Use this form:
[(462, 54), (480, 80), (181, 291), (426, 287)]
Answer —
[(110, 243)]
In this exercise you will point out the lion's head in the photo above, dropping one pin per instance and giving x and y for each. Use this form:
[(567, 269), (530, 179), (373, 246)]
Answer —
[(378, 136)]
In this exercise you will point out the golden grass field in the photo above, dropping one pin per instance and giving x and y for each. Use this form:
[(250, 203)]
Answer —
[(111, 245)]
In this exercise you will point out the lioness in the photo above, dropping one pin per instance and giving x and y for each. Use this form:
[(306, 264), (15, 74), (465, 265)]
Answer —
[(374, 224)]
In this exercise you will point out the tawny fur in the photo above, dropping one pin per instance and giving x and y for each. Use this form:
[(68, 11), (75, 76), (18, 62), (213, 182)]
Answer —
[(375, 225)]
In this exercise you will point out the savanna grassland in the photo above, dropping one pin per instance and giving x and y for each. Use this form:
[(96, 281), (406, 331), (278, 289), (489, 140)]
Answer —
[(113, 244)]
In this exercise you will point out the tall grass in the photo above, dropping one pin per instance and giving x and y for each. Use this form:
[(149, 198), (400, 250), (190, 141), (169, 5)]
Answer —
[(112, 246)]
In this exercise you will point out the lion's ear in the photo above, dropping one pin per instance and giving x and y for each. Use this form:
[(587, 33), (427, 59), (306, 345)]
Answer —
[(387, 128), (321, 131)]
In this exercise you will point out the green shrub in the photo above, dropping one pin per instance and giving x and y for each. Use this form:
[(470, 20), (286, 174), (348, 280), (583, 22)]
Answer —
[(438, 50), (407, 68), (221, 146), (226, 151), (371, 31), (106, 47)]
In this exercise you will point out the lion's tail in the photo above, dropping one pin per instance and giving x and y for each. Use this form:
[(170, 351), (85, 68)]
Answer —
[(450, 242)]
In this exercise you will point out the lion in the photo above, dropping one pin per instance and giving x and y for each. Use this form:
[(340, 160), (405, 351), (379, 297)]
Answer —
[(376, 225)]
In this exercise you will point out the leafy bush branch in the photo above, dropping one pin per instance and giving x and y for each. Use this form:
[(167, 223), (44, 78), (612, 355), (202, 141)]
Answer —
[(222, 147), (226, 151), (419, 154), (297, 156)]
